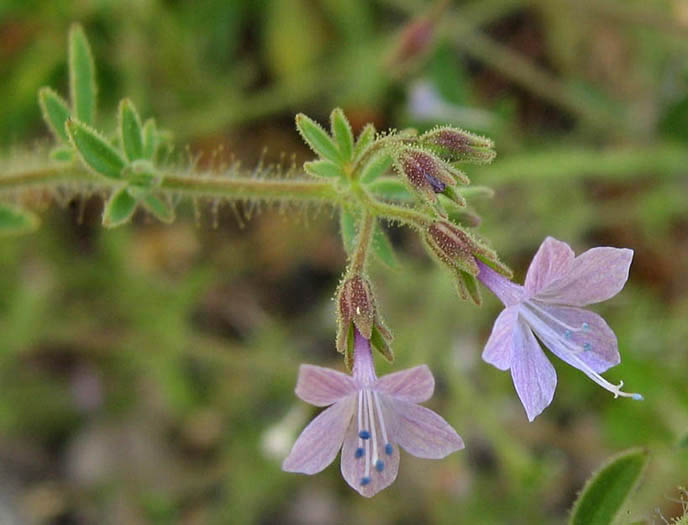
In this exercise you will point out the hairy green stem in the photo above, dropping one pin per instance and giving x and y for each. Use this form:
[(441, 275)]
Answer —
[(365, 235)]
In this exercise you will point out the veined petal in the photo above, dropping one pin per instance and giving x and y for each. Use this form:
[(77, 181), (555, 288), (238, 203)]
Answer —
[(354, 468), (551, 262), (422, 432), (498, 350), (589, 337), (323, 386), (594, 276), (414, 384), (534, 376), (318, 444)]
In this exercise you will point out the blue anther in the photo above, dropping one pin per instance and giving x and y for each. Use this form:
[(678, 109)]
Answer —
[(379, 465), (587, 347), (365, 481), (567, 334), (359, 452), (586, 326), (638, 397), (364, 434), (389, 449)]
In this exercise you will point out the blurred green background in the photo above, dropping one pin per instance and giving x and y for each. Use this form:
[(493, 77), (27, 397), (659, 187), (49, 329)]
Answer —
[(147, 373)]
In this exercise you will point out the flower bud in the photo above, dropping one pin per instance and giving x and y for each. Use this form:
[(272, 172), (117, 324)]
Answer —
[(456, 144), (428, 175)]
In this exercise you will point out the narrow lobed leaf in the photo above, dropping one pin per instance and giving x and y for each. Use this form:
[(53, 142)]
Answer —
[(382, 247), (130, 132), (150, 139), (391, 188), (365, 139), (63, 153), (82, 76), (55, 112), (377, 166), (317, 139), (16, 221), (119, 208), (341, 131), (158, 207), (323, 168), (96, 152), (605, 493), (347, 224)]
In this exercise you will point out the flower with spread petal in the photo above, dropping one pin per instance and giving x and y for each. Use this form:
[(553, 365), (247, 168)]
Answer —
[(548, 306), (368, 418)]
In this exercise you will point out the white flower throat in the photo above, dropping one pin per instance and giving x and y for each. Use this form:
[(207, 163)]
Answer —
[(368, 407)]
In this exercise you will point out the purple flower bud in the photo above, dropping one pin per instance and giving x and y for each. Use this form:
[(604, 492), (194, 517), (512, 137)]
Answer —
[(456, 144), (426, 174)]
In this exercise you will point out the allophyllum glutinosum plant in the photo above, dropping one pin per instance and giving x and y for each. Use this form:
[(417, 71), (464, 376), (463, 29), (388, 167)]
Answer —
[(400, 178)]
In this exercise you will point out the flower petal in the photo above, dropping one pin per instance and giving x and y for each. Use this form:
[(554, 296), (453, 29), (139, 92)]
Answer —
[(594, 276), (498, 348), (534, 376), (551, 262), (354, 469), (323, 386), (422, 432), (414, 384), (595, 341), (318, 444)]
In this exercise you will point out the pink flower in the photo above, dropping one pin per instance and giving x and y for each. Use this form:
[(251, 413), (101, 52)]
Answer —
[(368, 419), (548, 306)]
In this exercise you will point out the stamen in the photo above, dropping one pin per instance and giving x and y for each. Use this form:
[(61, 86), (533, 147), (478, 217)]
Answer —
[(365, 480), (388, 446), (371, 419), (359, 452), (379, 465), (540, 310), (551, 338), (367, 442)]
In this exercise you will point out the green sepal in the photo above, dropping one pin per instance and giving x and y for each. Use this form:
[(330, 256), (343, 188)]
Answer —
[(16, 221), (82, 77), (382, 247), (606, 492), (119, 208), (365, 139), (497, 265), (349, 351), (341, 131), (158, 207), (347, 226), (392, 188), (476, 192), (377, 166), (55, 112), (317, 139), (130, 132), (96, 152), (378, 341), (150, 139), (467, 287), (323, 168), (63, 153)]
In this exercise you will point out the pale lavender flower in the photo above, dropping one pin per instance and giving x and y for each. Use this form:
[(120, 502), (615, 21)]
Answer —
[(369, 418), (548, 306)]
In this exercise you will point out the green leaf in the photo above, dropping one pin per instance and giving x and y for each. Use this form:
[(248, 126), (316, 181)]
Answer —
[(391, 188), (347, 224), (94, 150), (316, 137), (323, 168), (119, 208), (158, 207), (150, 139), (55, 112), (341, 131), (130, 132), (63, 153), (382, 247), (16, 221), (606, 492), (365, 139), (377, 166), (82, 76)]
